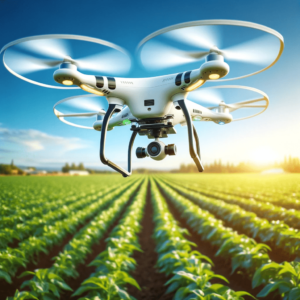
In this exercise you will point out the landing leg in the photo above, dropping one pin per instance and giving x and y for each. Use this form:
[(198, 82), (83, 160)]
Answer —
[(104, 160), (192, 133)]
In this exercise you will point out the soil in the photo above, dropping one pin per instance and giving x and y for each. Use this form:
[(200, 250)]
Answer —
[(149, 279), (237, 282)]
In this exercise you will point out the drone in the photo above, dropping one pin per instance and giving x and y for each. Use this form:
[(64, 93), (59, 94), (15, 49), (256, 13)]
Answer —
[(152, 106)]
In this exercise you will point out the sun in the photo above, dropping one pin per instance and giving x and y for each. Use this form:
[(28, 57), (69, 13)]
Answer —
[(263, 155)]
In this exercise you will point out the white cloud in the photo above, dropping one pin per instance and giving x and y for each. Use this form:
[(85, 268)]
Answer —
[(35, 140)]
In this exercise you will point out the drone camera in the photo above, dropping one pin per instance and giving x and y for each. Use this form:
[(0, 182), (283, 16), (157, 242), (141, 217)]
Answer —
[(157, 150)]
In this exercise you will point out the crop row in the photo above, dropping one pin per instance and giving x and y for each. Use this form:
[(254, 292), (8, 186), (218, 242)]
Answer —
[(50, 283), (245, 254), (274, 233), (12, 259), (274, 192), (192, 273), (24, 195), (113, 266), (265, 210), (36, 224)]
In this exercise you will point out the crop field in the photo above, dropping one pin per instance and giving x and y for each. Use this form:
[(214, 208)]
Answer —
[(163, 236)]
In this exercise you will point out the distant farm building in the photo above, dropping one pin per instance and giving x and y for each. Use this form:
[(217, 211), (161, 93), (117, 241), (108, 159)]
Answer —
[(78, 173), (273, 171)]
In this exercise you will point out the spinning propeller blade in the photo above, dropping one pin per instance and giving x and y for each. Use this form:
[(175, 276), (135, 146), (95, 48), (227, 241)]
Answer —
[(38, 53), (109, 61), (251, 51), (200, 37), (206, 97), (88, 103), (192, 41)]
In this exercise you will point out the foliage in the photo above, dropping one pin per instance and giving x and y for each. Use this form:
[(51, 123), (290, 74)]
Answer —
[(282, 279), (191, 270)]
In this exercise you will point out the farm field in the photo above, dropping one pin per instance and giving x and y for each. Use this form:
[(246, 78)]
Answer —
[(164, 236)]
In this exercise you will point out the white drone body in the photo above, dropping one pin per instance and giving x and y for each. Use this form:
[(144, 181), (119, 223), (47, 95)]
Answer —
[(154, 105)]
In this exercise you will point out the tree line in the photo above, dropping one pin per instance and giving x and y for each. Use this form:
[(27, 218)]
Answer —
[(290, 164), (66, 168)]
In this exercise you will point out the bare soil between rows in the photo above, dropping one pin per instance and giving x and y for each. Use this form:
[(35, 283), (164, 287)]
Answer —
[(150, 280)]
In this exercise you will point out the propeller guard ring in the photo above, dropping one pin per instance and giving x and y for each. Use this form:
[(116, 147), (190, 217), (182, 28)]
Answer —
[(62, 116), (55, 36), (263, 98), (221, 22)]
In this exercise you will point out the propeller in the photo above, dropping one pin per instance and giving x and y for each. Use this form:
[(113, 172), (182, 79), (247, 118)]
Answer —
[(193, 41), (32, 54), (94, 105), (213, 98)]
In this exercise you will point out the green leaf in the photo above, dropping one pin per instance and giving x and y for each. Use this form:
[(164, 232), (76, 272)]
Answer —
[(26, 273), (5, 276), (294, 293), (270, 288), (242, 293), (64, 286), (132, 281)]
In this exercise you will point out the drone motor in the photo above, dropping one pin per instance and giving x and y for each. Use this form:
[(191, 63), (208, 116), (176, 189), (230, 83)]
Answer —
[(215, 67)]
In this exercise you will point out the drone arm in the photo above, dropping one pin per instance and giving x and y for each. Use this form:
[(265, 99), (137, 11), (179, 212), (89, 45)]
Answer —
[(104, 160), (191, 134)]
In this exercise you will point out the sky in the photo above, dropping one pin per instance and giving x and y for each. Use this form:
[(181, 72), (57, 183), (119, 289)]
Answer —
[(31, 135)]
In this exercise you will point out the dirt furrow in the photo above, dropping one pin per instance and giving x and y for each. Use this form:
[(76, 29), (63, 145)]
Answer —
[(150, 280)]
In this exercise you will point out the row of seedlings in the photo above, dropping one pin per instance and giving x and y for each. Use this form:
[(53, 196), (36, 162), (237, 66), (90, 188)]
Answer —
[(277, 234), (192, 273), (113, 266), (50, 283), (11, 259), (288, 200), (262, 209), (245, 254), (39, 207), (35, 225)]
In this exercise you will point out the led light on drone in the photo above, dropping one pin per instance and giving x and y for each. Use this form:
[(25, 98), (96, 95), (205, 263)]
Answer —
[(195, 85), (89, 89), (67, 82)]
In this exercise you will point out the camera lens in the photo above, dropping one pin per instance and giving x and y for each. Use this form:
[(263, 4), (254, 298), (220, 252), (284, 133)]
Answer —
[(171, 149), (154, 148), (140, 152)]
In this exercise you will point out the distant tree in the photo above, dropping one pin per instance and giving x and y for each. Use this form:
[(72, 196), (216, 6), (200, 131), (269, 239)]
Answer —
[(81, 166), (73, 166), (65, 168)]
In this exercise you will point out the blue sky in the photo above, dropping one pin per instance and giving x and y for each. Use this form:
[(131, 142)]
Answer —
[(31, 134)]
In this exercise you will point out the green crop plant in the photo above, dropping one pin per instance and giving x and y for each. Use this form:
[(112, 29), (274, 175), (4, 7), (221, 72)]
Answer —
[(281, 279)]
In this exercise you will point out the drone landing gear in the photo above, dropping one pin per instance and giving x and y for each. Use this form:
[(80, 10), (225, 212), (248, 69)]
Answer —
[(111, 109), (192, 133)]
